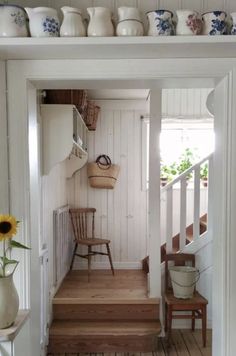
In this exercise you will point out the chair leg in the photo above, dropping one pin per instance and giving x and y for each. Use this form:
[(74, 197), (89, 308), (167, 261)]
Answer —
[(73, 257), (193, 320), (89, 262), (204, 324), (169, 321), (109, 256), (166, 324)]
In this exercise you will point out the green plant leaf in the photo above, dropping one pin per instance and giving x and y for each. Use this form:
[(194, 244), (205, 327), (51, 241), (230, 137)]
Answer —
[(6, 261), (16, 244)]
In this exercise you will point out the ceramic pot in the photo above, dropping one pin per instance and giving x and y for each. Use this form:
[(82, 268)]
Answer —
[(100, 23), (43, 22), (9, 304), (188, 23), (129, 22), (160, 23), (12, 21), (72, 24), (214, 23)]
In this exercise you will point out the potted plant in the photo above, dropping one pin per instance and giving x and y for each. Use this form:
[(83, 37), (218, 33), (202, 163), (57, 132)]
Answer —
[(9, 300), (204, 174), (167, 173), (186, 161)]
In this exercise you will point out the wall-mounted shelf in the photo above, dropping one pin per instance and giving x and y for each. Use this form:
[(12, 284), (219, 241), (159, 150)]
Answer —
[(64, 137), (118, 47)]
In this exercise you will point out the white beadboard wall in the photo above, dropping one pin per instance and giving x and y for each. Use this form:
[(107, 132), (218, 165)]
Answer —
[(185, 103), (121, 213)]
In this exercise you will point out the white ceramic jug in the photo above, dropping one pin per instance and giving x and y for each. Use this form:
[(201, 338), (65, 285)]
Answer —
[(12, 21), (72, 24), (43, 22), (214, 23), (100, 23), (189, 23), (233, 30), (129, 22), (160, 23)]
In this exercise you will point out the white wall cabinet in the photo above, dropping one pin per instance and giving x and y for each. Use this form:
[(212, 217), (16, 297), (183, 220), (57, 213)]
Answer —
[(64, 137)]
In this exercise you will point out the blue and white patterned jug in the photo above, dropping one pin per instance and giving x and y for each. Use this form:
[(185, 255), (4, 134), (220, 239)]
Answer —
[(43, 22), (214, 23), (13, 21), (160, 23)]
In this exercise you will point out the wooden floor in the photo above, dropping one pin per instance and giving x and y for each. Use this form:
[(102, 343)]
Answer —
[(183, 343), (125, 284)]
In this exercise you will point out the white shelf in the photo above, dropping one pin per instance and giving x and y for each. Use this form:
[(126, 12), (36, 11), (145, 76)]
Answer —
[(118, 47), (64, 137)]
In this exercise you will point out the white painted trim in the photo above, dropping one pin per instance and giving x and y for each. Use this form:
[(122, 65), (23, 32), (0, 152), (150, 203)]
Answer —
[(154, 193), (114, 47), (143, 73), (4, 198)]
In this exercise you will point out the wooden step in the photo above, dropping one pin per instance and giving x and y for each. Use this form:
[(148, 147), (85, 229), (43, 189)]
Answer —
[(106, 336), (147, 309)]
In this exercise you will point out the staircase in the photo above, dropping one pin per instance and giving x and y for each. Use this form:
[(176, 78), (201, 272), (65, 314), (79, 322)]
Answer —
[(189, 237), (194, 232), (101, 317)]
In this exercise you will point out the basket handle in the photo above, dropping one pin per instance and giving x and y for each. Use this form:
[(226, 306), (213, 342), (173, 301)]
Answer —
[(100, 162), (195, 282)]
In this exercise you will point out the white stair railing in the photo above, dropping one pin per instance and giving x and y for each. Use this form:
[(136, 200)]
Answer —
[(168, 190)]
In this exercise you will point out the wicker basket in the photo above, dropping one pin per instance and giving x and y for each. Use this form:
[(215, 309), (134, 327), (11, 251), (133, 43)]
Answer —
[(102, 175), (91, 115)]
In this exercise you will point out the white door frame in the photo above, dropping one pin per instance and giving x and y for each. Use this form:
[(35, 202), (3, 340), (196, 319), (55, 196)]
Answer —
[(147, 73)]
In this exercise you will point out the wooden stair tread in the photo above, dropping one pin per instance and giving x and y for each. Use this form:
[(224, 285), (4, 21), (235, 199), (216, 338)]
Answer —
[(108, 328), (120, 301)]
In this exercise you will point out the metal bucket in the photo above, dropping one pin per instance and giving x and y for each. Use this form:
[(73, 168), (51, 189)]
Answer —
[(183, 279)]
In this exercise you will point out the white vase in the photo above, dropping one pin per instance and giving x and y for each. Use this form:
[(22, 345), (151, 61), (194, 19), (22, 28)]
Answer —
[(129, 22), (72, 24), (43, 22), (189, 23), (9, 301), (12, 21), (100, 23)]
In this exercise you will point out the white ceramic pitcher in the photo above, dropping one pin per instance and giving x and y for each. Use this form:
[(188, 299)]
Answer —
[(233, 30), (43, 22), (72, 24), (189, 23), (160, 23), (129, 22), (100, 23), (12, 21), (214, 23)]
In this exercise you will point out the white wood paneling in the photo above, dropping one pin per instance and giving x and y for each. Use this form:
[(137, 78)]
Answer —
[(187, 103), (121, 213)]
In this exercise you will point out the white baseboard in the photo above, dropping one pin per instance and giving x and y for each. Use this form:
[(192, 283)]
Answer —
[(106, 265)]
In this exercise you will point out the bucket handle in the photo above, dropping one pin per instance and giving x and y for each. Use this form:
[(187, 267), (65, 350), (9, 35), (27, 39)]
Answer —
[(195, 282)]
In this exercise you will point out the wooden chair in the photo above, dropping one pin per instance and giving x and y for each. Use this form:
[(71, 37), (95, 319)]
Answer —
[(83, 227), (197, 305)]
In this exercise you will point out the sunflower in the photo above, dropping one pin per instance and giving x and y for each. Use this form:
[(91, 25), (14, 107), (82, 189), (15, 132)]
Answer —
[(8, 227)]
